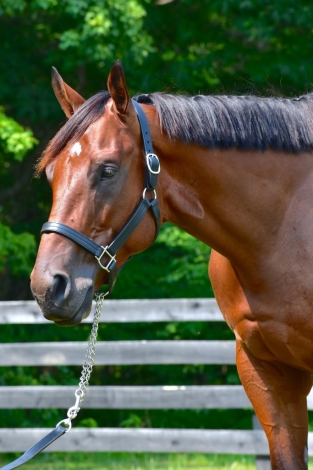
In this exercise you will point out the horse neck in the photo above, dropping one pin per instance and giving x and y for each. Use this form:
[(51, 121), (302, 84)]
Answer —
[(231, 200)]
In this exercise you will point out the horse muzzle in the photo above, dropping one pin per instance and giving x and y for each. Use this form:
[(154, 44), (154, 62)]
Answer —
[(62, 300)]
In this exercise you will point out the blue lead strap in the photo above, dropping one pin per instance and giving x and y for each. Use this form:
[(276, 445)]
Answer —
[(37, 448)]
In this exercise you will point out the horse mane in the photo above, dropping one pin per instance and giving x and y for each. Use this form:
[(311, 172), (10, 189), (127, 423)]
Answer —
[(245, 122)]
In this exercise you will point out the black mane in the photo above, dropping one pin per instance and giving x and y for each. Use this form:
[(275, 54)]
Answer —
[(244, 122)]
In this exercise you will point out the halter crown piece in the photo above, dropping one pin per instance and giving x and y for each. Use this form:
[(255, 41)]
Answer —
[(152, 172)]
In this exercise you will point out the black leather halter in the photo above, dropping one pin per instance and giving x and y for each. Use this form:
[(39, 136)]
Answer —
[(152, 171)]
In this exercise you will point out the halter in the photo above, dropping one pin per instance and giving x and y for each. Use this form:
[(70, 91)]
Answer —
[(151, 179)]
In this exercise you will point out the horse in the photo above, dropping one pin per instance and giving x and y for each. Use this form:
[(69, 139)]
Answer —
[(235, 172)]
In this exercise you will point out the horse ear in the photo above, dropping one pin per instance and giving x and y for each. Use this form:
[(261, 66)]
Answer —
[(68, 98), (117, 88)]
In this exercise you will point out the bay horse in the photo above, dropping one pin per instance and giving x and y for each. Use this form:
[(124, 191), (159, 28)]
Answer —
[(237, 174)]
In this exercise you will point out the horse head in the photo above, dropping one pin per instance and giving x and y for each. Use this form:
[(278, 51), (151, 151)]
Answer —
[(95, 166)]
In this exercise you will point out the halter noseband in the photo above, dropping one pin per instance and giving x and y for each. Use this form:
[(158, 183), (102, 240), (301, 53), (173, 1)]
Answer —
[(152, 171)]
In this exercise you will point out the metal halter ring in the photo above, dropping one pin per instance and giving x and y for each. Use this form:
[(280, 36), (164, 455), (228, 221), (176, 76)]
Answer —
[(144, 195), (98, 258), (154, 172)]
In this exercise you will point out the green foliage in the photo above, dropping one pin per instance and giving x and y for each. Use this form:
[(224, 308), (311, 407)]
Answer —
[(90, 31), (14, 139), (191, 46), (100, 27), (16, 251), (176, 265), (9, 8), (191, 260), (88, 423), (133, 421)]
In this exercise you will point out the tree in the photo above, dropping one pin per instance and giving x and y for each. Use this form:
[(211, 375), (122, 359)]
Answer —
[(189, 46)]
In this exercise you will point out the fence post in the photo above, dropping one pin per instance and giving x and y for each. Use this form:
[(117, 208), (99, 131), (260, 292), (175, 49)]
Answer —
[(262, 462)]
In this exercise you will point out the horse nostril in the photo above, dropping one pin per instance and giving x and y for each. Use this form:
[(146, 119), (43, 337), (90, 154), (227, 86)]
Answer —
[(61, 287)]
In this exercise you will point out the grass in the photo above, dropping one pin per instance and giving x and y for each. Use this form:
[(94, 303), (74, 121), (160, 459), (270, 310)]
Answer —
[(122, 461), (128, 461)]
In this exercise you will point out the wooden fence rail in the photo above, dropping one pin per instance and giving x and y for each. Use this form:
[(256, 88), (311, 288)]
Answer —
[(127, 397), (141, 440), (118, 353), (124, 311)]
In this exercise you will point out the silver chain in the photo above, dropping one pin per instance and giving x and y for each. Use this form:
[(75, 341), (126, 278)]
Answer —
[(88, 364)]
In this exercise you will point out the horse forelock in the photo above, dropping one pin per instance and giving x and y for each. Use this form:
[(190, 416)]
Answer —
[(74, 128), (244, 122)]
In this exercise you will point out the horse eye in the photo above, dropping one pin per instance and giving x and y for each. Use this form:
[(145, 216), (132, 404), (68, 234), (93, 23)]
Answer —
[(108, 173)]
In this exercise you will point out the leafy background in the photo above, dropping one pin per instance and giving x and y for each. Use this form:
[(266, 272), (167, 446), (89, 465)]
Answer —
[(189, 46)]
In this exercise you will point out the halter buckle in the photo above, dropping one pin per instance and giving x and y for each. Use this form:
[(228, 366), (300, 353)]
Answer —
[(98, 258), (153, 155)]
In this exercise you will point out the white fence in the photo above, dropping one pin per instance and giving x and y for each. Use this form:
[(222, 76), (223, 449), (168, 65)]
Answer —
[(128, 397)]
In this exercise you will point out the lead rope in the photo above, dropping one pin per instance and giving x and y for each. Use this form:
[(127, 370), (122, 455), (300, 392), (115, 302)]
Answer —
[(65, 425)]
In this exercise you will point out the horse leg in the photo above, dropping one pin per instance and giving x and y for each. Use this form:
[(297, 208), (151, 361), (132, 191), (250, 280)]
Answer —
[(278, 395), (277, 391)]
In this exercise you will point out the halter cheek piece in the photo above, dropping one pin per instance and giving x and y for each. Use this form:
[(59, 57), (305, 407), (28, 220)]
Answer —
[(152, 171)]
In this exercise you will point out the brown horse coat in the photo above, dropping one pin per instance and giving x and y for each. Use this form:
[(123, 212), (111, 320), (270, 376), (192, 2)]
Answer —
[(249, 197)]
